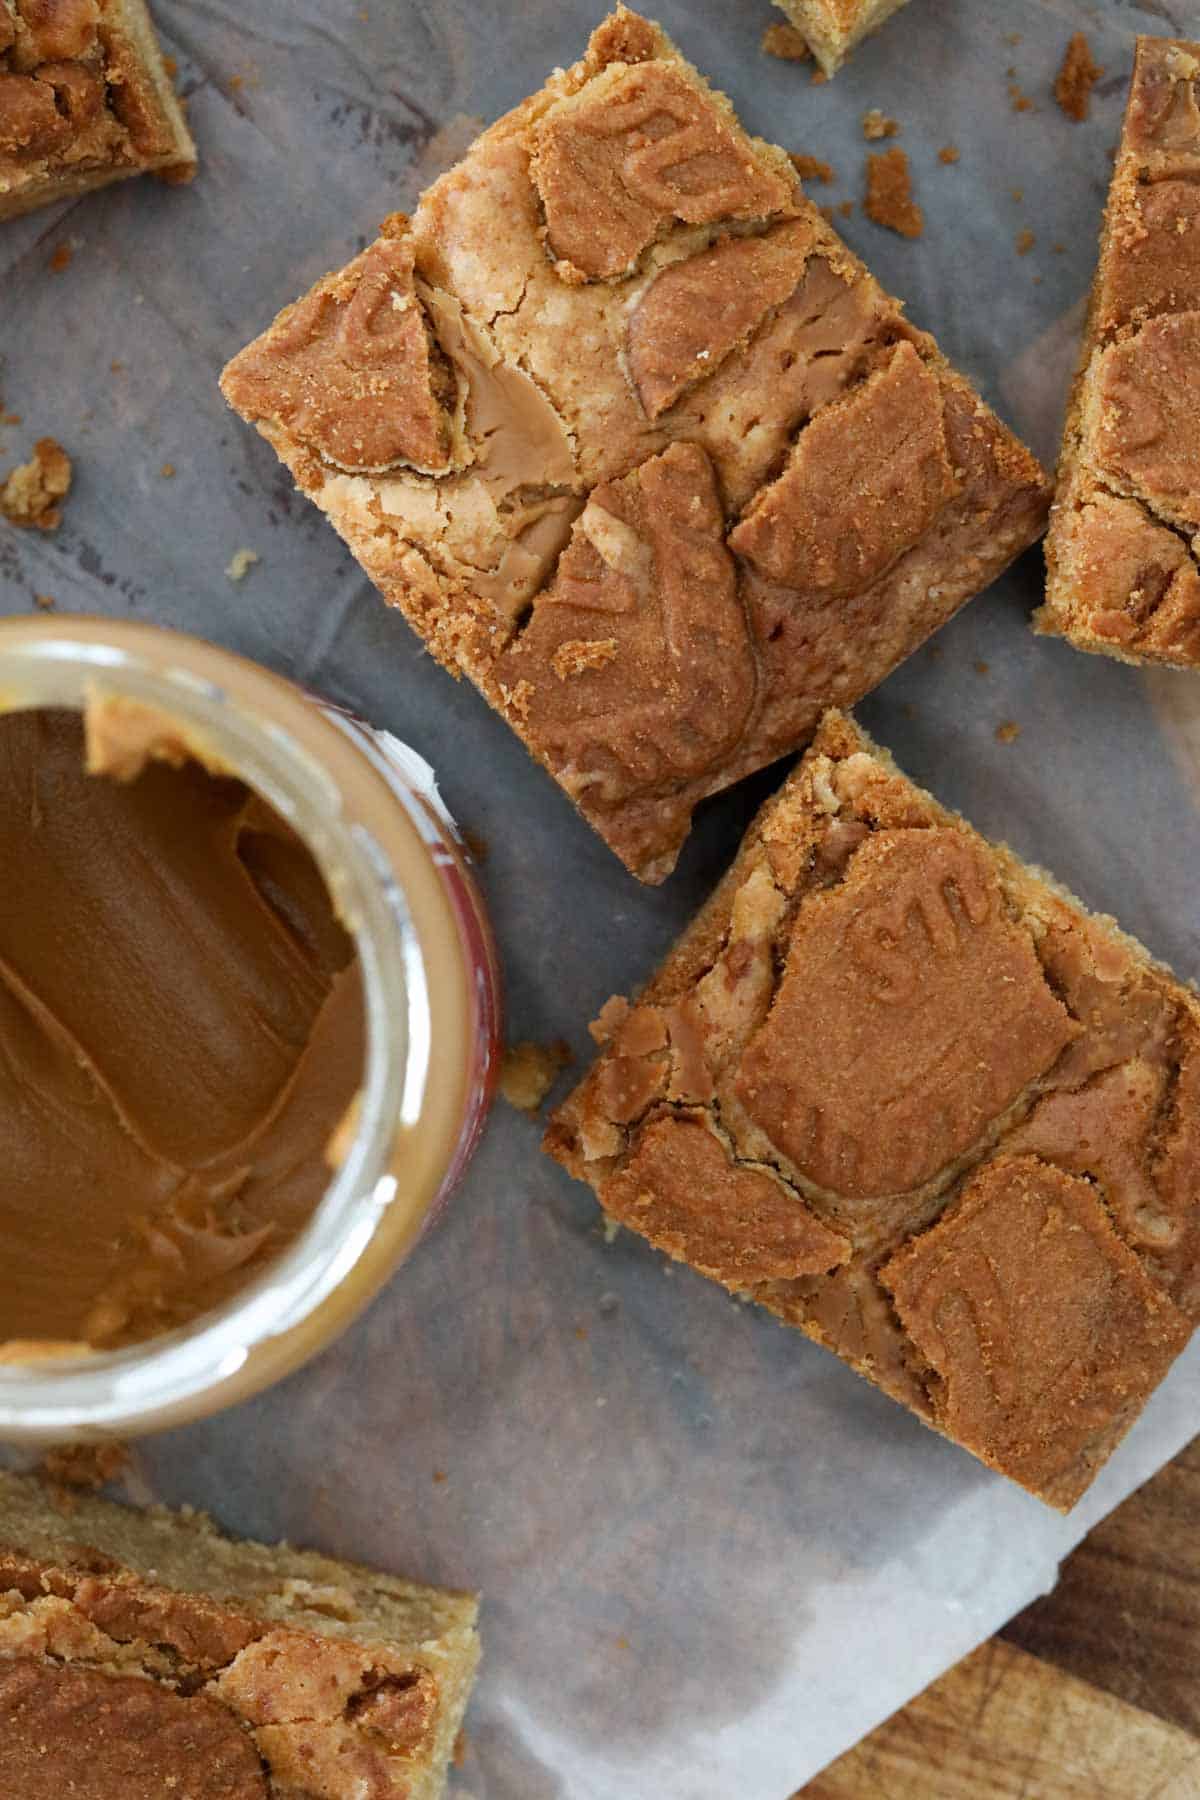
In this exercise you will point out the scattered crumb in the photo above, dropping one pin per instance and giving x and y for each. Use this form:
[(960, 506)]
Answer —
[(581, 1332), (240, 564), (476, 843), (1013, 38), (889, 199), (948, 153), (61, 259), (236, 82), (1058, 249), (117, 368), (981, 667), (458, 1755), (876, 124), (1020, 103), (171, 66), (811, 168), (845, 208), (7, 418), (45, 602), (1025, 242), (577, 655), (785, 42), (1018, 194), (1008, 732), (31, 494), (439, 1475), (167, 471), (529, 1071), (1075, 80), (818, 78), (622, 1643), (87, 1466)]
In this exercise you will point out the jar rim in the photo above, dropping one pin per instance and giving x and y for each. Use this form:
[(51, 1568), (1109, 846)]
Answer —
[(253, 720)]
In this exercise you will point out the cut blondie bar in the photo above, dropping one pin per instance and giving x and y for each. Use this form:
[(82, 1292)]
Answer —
[(832, 28), (145, 1654), (902, 1090), (1123, 553), (635, 442), (84, 100)]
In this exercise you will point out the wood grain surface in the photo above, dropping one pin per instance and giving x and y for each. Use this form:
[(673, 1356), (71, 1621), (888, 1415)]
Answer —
[(1091, 1692)]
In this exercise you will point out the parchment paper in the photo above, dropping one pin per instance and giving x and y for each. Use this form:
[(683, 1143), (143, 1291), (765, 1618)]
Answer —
[(712, 1558)]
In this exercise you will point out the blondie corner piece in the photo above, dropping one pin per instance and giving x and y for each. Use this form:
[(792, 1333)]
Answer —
[(145, 1655), (84, 100), (637, 444), (833, 28), (1123, 553), (902, 1090)]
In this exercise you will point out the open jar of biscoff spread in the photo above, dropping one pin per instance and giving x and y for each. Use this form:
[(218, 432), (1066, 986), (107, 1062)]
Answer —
[(249, 1024)]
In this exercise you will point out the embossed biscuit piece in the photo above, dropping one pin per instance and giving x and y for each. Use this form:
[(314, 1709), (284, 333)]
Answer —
[(637, 444), (832, 28), (144, 1653), (1123, 553), (880, 1038), (1045, 1334), (84, 100)]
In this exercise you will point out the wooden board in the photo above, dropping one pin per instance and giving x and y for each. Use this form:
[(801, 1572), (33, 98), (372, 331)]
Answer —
[(1093, 1691)]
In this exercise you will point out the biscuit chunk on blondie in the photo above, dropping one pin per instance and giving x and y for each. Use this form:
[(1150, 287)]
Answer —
[(905, 1092), (636, 443)]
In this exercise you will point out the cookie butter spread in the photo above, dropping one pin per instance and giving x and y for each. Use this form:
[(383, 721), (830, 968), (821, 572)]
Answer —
[(181, 1029)]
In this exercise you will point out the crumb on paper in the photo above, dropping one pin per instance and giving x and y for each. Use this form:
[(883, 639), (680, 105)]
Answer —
[(581, 1332), (61, 258), (576, 656), (622, 1642), (1007, 732), (889, 199), (171, 67), (1058, 249), (85, 1466), (439, 1475), (528, 1072), (458, 1755), (1013, 38), (45, 602), (845, 208), (32, 492), (116, 368), (167, 471), (981, 667), (876, 125), (818, 78), (1025, 242), (1076, 78), (236, 82), (1020, 102), (1018, 194), (949, 153), (240, 564), (811, 168), (785, 42)]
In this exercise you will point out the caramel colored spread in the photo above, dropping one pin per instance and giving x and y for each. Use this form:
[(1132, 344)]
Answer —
[(181, 1029), (904, 1093)]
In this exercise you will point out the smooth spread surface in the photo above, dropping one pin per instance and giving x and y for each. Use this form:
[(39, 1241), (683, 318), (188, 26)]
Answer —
[(181, 1030), (909, 1096), (1123, 553), (637, 444), (83, 99), (278, 1675)]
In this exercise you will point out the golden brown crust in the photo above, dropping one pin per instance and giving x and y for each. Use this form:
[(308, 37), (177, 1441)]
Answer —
[(1122, 562), (634, 298), (877, 1019)]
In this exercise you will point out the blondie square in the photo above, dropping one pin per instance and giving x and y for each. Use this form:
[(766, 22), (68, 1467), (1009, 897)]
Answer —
[(905, 1092), (1123, 553), (84, 100), (145, 1655), (637, 444), (832, 28)]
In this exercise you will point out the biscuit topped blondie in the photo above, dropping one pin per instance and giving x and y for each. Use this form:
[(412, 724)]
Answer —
[(636, 442), (1123, 553), (84, 100), (906, 1093)]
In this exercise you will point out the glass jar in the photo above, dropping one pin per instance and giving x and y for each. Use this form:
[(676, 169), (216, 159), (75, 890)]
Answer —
[(369, 811)]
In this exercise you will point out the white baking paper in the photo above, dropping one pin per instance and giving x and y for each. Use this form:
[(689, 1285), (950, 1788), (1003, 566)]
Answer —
[(711, 1557)]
